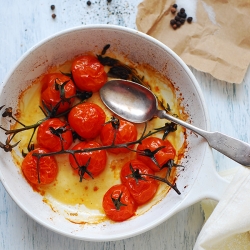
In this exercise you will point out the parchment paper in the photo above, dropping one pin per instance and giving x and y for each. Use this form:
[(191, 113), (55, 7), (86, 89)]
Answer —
[(216, 42)]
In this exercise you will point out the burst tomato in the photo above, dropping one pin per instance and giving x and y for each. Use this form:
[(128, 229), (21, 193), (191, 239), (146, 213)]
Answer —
[(51, 95), (43, 171), (140, 186), (118, 204), (162, 156), (87, 119), (127, 132), (48, 135), (88, 73), (97, 159)]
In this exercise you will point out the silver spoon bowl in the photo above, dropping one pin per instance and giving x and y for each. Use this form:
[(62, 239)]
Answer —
[(136, 103)]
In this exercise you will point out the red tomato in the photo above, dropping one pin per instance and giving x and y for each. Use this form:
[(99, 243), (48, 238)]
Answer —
[(118, 204), (141, 187), (87, 119), (51, 96), (127, 132), (50, 141), (97, 159), (88, 73), (46, 171), (162, 156)]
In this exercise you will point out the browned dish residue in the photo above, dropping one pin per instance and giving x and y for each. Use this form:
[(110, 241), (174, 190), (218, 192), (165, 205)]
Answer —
[(67, 189)]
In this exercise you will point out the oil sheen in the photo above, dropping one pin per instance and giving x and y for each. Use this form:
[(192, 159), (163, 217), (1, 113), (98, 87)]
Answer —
[(81, 202)]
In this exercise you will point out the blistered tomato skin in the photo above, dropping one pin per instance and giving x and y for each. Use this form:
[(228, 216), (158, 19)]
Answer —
[(46, 171), (98, 159), (46, 139), (127, 132), (142, 189), (162, 156), (120, 194), (88, 73), (51, 96), (87, 120)]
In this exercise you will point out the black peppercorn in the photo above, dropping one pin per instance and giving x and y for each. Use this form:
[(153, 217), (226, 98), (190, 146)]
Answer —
[(88, 3), (182, 20), (177, 18), (178, 23), (189, 19), (182, 15), (172, 22), (182, 10), (52, 6), (173, 10), (53, 16), (175, 26)]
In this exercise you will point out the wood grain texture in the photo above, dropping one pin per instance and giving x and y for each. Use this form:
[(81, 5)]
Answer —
[(24, 23)]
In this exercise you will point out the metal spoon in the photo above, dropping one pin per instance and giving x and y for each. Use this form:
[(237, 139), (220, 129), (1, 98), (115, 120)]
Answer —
[(135, 103)]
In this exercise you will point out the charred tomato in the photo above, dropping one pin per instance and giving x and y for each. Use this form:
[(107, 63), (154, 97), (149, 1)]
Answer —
[(94, 161), (53, 133), (87, 119), (162, 156), (118, 204), (42, 171), (126, 132), (88, 73), (51, 94), (135, 175)]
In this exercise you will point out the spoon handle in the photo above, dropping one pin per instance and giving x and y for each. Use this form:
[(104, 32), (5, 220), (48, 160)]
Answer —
[(235, 149)]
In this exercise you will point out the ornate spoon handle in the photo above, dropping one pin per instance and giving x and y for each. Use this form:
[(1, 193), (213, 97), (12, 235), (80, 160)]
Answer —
[(235, 149)]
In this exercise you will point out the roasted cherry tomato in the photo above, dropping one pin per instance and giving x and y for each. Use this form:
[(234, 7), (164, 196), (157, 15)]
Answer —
[(51, 94), (127, 132), (43, 171), (88, 73), (87, 120), (162, 156), (118, 204), (49, 132), (140, 186), (95, 161)]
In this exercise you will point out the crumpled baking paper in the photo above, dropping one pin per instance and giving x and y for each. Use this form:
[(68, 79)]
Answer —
[(216, 42)]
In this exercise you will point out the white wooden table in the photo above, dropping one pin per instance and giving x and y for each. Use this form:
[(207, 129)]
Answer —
[(23, 23)]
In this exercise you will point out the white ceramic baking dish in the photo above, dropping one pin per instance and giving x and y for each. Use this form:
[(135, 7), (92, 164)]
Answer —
[(199, 180)]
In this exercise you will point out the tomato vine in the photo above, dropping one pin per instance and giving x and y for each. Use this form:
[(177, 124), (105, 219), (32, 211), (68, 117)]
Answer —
[(117, 69)]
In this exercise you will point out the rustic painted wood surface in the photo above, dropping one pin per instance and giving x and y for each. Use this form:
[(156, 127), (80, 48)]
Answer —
[(24, 23)]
